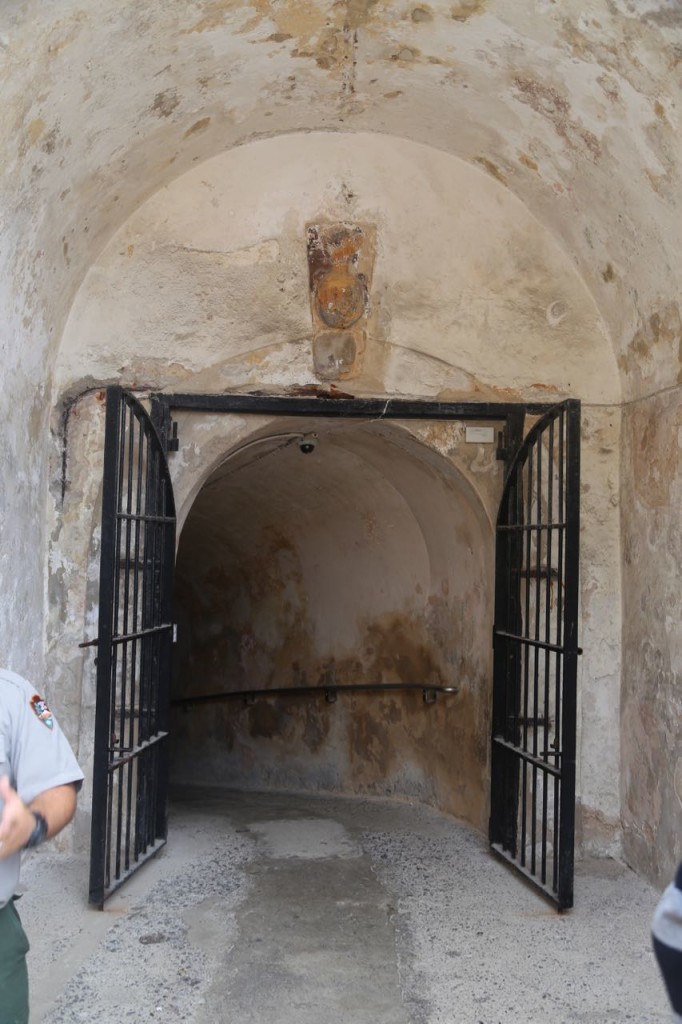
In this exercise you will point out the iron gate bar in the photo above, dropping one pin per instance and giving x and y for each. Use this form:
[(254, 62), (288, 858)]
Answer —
[(353, 408), (134, 517), (549, 572), (558, 648), (122, 638), (133, 751), (101, 822), (532, 527), (570, 667), (533, 759), (544, 572), (124, 518)]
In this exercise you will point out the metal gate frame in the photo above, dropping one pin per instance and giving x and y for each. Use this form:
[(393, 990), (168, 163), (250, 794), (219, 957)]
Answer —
[(160, 432), (535, 637), (129, 800)]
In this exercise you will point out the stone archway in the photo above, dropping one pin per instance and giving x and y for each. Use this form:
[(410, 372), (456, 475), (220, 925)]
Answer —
[(469, 300)]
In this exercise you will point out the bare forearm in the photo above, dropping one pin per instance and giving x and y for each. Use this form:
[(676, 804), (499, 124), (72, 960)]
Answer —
[(57, 805)]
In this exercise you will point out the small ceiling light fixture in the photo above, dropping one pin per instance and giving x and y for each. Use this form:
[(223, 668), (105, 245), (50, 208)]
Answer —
[(308, 443)]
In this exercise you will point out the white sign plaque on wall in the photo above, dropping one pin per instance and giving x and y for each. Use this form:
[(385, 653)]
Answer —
[(480, 435)]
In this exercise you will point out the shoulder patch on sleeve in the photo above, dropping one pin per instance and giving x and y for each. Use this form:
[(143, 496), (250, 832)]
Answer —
[(41, 711)]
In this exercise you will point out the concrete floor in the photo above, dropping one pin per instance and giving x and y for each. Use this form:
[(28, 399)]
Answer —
[(293, 910)]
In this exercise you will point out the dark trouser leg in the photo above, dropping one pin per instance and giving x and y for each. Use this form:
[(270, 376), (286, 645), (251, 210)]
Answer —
[(13, 972), (670, 962)]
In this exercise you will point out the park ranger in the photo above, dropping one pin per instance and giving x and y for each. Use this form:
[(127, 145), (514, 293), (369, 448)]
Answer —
[(39, 780)]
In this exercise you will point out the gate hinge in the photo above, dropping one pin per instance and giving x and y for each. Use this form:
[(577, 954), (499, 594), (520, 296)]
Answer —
[(173, 442)]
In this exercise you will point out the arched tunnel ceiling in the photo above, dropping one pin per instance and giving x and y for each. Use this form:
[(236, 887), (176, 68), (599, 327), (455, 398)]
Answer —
[(370, 522), (572, 105), (351, 469)]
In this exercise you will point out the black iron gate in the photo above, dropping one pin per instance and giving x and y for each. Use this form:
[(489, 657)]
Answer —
[(129, 800), (535, 658), (535, 633)]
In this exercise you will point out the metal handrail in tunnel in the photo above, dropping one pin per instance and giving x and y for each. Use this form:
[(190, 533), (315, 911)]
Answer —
[(430, 693)]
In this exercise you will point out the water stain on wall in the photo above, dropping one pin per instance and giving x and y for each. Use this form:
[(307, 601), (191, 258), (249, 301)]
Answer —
[(165, 103), (214, 15), (396, 650), (390, 743), (198, 126), (465, 9), (657, 454), (658, 337), (491, 168), (546, 100)]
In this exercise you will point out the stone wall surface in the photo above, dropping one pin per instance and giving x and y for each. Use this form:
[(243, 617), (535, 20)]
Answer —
[(73, 584), (652, 638), (599, 668)]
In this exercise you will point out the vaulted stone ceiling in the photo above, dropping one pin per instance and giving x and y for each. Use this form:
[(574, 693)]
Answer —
[(574, 106)]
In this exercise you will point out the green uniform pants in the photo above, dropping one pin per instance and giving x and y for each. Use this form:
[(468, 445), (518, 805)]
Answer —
[(13, 972)]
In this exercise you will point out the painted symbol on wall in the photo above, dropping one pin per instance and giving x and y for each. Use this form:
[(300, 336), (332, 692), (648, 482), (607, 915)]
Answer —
[(340, 263), (340, 297)]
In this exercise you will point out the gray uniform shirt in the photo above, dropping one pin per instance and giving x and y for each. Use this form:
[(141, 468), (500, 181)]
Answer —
[(34, 753)]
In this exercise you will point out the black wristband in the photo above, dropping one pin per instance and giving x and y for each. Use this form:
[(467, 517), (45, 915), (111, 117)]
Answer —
[(39, 833)]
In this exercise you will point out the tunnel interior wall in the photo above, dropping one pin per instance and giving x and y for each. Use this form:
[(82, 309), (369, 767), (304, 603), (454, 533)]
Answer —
[(651, 781), (360, 563)]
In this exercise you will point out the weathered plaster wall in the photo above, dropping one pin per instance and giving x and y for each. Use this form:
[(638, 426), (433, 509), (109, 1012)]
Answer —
[(599, 667), (214, 273), (652, 638), (73, 586), (652, 605)]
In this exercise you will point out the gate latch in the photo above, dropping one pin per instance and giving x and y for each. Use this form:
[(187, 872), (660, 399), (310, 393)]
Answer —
[(173, 441)]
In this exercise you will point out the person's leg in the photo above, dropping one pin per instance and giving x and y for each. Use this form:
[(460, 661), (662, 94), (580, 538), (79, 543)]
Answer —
[(670, 963), (667, 937), (13, 971)]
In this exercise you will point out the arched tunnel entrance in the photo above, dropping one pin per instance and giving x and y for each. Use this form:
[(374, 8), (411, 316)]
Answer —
[(370, 570), (368, 560)]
